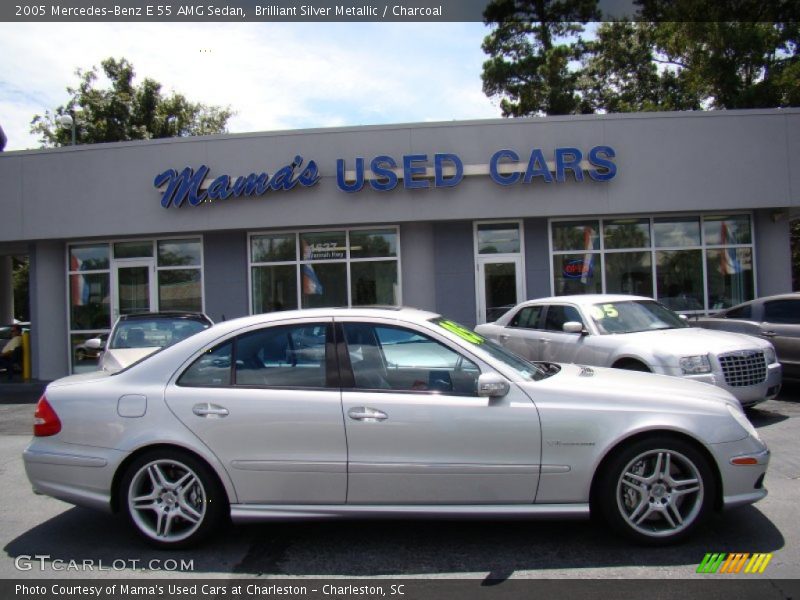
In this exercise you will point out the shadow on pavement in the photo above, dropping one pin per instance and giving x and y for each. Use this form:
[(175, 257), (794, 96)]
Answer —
[(395, 548)]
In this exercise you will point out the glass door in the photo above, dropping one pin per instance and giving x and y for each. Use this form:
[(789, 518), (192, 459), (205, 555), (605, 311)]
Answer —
[(500, 287), (135, 291)]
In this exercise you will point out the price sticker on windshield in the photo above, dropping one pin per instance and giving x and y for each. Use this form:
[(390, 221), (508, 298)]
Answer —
[(606, 311)]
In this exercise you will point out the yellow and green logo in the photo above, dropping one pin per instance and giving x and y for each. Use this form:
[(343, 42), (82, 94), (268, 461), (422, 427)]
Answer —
[(736, 562)]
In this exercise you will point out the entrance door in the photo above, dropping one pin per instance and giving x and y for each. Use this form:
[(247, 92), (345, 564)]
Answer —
[(500, 286), (135, 287)]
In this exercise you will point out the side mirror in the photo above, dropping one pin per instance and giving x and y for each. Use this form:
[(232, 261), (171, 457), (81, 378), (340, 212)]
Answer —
[(492, 385), (684, 318), (94, 343), (572, 327)]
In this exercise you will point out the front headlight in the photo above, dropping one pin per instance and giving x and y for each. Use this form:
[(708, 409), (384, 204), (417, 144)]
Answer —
[(769, 355), (695, 365), (742, 420)]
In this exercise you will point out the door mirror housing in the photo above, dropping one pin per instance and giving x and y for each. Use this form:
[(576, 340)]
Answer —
[(573, 327), (492, 385)]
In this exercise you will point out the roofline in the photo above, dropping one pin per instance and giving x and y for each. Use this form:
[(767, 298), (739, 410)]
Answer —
[(502, 122)]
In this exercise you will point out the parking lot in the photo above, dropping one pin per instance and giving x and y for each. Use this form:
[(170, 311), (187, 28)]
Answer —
[(65, 536)]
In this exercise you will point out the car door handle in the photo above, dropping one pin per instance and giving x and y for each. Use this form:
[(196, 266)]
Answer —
[(209, 410), (364, 413), (504, 337), (769, 333)]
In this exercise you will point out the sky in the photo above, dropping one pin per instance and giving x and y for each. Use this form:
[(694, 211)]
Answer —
[(275, 76)]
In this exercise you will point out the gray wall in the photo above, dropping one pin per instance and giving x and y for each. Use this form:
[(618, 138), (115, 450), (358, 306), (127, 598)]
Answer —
[(48, 289), (537, 258), (417, 260), (454, 250), (681, 161), (225, 274), (773, 252)]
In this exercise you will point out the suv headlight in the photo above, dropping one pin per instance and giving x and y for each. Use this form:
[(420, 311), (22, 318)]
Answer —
[(769, 355), (695, 365), (742, 420)]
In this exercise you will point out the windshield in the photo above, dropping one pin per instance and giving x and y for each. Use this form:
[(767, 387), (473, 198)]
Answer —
[(633, 315), (528, 370), (158, 332)]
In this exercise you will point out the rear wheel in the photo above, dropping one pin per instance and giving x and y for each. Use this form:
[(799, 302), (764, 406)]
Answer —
[(657, 491), (171, 498)]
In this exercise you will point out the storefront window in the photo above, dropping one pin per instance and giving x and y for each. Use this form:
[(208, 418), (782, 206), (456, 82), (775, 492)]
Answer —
[(180, 289), (373, 244), (629, 273), (498, 238), (577, 274), (334, 268), (679, 279), (576, 235), (87, 257), (373, 282), (677, 232), (730, 277), (626, 233), (274, 288), (691, 263), (727, 230), (273, 248), (90, 302), (323, 284), (179, 253), (137, 249)]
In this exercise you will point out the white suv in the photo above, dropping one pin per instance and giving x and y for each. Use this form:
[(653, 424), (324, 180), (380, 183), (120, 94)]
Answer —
[(637, 333)]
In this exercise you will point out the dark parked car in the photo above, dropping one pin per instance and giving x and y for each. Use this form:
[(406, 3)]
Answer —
[(773, 318)]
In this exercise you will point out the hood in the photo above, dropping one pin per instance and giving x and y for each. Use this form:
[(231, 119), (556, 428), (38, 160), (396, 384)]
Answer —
[(119, 358), (634, 390), (694, 340)]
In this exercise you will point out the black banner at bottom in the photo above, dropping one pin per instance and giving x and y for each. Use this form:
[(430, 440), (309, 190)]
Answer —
[(712, 588)]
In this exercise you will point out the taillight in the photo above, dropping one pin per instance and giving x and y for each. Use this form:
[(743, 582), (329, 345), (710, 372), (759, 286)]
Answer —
[(45, 419)]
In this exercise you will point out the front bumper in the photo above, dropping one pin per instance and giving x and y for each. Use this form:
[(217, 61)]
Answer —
[(748, 395), (742, 483)]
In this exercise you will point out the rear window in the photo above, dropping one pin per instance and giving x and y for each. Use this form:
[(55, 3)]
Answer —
[(158, 332)]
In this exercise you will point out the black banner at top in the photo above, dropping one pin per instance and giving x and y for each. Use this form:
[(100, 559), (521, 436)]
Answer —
[(374, 10)]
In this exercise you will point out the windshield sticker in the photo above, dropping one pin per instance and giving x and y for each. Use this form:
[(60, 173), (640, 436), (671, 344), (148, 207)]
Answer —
[(462, 332)]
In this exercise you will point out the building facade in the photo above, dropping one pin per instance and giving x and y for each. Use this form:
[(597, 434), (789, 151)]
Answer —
[(462, 218)]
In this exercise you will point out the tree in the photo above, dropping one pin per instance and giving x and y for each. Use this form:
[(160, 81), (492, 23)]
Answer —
[(684, 55), (531, 49), (126, 111)]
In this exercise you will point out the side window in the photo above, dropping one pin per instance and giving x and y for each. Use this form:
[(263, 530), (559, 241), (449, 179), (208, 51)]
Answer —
[(743, 312), (527, 318), (283, 356), (212, 369), (399, 359), (782, 311), (558, 314)]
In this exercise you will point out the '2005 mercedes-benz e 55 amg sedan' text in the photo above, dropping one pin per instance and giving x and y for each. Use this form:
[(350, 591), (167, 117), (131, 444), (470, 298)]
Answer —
[(379, 412)]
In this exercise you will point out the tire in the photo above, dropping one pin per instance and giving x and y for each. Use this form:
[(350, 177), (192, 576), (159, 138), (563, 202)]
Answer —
[(656, 491), (172, 499)]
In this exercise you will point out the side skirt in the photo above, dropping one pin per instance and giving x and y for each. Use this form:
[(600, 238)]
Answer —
[(243, 513)]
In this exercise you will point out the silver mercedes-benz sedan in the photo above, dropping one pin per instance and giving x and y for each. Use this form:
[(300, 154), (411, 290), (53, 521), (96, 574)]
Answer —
[(386, 413)]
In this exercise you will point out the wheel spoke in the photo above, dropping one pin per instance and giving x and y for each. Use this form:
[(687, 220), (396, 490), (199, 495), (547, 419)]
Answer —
[(647, 513), (189, 513), (668, 518), (157, 477), (187, 481), (672, 507)]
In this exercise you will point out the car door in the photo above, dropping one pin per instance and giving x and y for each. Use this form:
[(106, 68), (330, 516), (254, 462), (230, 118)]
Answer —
[(781, 326), (417, 433), (558, 345), (266, 404), (522, 335)]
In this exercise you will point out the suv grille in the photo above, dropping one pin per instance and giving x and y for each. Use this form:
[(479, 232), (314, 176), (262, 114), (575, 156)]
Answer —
[(744, 368)]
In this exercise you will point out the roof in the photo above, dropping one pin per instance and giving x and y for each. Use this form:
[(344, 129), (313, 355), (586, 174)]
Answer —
[(585, 299)]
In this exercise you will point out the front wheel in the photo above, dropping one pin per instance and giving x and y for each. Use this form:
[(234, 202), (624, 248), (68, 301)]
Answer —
[(657, 491), (172, 499)]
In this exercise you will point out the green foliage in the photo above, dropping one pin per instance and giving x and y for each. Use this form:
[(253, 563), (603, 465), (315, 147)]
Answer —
[(126, 111), (688, 56)]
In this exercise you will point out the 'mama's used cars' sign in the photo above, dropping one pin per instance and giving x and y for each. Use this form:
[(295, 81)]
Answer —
[(385, 173)]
